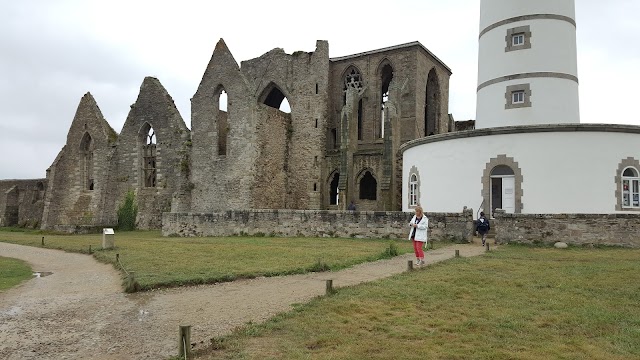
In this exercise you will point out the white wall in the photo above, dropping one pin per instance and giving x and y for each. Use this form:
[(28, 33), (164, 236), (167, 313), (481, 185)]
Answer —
[(553, 50), (492, 11), (553, 101), (563, 172)]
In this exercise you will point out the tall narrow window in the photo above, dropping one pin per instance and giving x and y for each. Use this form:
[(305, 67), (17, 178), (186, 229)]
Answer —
[(385, 79), (353, 80), (86, 148), (360, 119), (149, 156), (368, 187), (432, 104), (334, 192), (630, 188), (223, 121), (334, 138), (413, 190)]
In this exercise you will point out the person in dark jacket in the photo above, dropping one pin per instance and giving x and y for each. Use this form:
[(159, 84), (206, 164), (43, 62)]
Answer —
[(482, 227)]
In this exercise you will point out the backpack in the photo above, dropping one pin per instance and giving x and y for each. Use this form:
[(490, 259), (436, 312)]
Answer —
[(483, 224)]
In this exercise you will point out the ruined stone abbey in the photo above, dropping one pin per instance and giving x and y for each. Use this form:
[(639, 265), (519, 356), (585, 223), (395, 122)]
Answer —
[(339, 142)]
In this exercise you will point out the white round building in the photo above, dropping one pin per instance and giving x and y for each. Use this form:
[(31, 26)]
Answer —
[(528, 154)]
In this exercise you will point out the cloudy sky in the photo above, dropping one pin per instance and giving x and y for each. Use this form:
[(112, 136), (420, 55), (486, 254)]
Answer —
[(53, 52)]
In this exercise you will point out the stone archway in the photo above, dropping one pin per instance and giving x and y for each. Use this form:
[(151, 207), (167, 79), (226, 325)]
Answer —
[(502, 160)]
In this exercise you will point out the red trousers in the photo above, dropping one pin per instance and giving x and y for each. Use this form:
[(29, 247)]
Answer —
[(417, 248)]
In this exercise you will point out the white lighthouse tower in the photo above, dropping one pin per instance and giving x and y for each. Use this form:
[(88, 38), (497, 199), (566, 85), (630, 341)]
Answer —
[(527, 63)]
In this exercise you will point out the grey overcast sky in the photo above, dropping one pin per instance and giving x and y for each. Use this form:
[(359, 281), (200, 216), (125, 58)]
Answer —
[(53, 52)]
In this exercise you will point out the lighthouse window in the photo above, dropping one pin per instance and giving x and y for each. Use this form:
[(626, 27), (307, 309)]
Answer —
[(517, 40), (517, 97)]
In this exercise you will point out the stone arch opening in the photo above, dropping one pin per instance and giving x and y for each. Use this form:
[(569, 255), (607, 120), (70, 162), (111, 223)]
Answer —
[(12, 207), (334, 192), (352, 79), (39, 192), (148, 151), (386, 75), (432, 104), (502, 185), (86, 150), (222, 119), (367, 185), (274, 97)]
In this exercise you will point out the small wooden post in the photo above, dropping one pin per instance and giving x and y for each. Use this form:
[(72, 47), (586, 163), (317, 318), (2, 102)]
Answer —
[(117, 257), (431, 245), (487, 246), (457, 253), (410, 265), (89, 248), (43, 241), (329, 287), (184, 342)]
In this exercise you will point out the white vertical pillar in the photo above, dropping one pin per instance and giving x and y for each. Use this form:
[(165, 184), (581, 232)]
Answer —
[(527, 63)]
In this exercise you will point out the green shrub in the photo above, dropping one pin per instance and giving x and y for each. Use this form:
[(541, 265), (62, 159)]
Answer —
[(391, 250), (127, 212)]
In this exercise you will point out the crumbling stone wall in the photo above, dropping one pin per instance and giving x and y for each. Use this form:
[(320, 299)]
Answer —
[(22, 202), (411, 66), (220, 180), (325, 223), (575, 229), (270, 158), (247, 154), (153, 113), (78, 178)]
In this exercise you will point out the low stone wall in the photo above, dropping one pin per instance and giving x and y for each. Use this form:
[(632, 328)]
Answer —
[(316, 223), (576, 229)]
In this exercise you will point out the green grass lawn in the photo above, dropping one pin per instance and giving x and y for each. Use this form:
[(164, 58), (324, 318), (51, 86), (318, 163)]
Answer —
[(171, 261), (512, 303), (13, 272)]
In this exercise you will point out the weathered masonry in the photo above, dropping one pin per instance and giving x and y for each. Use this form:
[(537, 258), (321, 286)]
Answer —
[(299, 131)]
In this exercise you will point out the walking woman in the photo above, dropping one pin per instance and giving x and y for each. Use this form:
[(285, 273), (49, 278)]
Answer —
[(419, 225)]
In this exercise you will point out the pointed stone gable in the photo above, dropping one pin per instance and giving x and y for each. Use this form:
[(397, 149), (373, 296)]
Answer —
[(154, 104), (89, 118), (222, 67), (154, 166)]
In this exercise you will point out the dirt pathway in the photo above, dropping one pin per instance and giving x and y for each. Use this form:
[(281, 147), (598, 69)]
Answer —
[(80, 311)]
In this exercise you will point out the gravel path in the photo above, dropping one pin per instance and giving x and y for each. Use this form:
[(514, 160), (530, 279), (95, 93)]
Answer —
[(80, 311)]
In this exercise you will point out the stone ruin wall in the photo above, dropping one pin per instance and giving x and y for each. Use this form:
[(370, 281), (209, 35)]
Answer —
[(154, 109), (22, 202), (270, 159), (77, 179), (317, 223), (573, 229)]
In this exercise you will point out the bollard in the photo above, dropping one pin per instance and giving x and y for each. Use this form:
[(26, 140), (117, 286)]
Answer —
[(89, 249), (431, 245), (487, 246), (184, 342), (410, 265), (43, 241), (117, 257), (457, 253), (329, 287)]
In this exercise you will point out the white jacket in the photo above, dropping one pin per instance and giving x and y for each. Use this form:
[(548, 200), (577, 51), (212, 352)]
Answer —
[(421, 230)]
